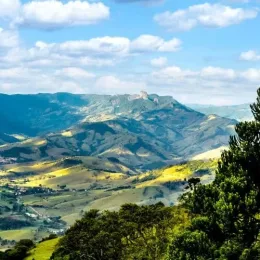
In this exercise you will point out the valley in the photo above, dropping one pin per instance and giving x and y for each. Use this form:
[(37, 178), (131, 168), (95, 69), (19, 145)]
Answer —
[(45, 198), (74, 153)]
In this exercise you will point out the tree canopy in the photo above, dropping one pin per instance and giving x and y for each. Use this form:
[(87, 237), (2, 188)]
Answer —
[(226, 222), (134, 232)]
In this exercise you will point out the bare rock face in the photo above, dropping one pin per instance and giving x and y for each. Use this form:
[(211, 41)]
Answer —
[(144, 95)]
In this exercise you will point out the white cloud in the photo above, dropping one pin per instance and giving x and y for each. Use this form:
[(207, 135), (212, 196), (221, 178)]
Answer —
[(28, 80), (207, 15), (9, 8), (112, 84), (97, 46), (218, 73), (146, 43), (49, 58), (54, 14), (252, 75), (111, 46), (206, 85), (16, 73), (210, 84), (211, 75), (75, 73), (250, 56), (159, 62), (8, 39)]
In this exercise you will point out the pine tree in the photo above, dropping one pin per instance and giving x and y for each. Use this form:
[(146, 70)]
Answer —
[(226, 223)]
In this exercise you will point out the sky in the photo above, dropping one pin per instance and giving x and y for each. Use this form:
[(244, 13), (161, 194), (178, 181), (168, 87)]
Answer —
[(196, 51)]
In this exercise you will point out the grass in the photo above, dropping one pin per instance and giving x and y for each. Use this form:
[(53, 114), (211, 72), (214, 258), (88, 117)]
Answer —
[(67, 134), (18, 234), (90, 186), (212, 154), (43, 250)]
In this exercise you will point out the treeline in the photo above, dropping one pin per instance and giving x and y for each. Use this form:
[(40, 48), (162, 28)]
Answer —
[(19, 251), (134, 232), (216, 221)]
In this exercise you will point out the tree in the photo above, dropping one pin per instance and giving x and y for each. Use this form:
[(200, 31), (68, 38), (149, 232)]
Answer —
[(134, 233), (19, 251), (95, 236), (227, 212)]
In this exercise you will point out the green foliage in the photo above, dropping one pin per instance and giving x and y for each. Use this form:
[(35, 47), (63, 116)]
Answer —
[(134, 232), (226, 222), (19, 251)]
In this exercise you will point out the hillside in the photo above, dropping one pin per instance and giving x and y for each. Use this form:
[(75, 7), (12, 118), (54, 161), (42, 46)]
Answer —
[(237, 112), (43, 250), (69, 186), (141, 131), (38, 114)]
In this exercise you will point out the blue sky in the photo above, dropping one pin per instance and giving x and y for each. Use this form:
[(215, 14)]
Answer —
[(196, 51)]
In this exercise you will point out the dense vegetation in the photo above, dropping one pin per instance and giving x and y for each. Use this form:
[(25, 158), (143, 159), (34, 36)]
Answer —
[(19, 251), (134, 232), (225, 221)]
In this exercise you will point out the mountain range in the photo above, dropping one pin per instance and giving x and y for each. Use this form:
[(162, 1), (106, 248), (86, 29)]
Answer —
[(141, 131), (238, 112)]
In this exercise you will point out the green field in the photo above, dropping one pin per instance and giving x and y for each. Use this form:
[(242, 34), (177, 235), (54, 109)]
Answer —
[(105, 188), (43, 250), (18, 234)]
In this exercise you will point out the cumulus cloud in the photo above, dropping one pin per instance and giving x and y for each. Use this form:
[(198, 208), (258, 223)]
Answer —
[(159, 62), (132, 1), (252, 75), (96, 46), (112, 46), (9, 8), (54, 14), (75, 73), (211, 74), (145, 43), (8, 39), (15, 73), (41, 57), (206, 15), (28, 80), (250, 55), (207, 85), (146, 2), (112, 84), (216, 73)]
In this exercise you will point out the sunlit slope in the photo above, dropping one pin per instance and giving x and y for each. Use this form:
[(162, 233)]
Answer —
[(43, 250), (18, 234), (91, 183), (215, 153), (76, 172)]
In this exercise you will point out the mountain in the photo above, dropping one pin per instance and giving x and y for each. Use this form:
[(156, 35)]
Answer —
[(237, 112), (37, 114), (141, 131)]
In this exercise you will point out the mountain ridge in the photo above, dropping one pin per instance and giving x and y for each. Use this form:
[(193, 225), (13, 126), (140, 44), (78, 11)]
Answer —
[(144, 131)]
